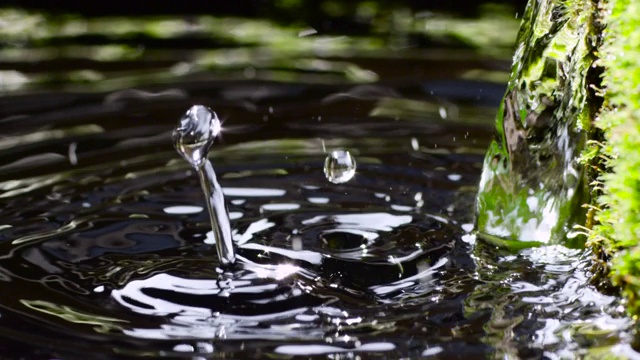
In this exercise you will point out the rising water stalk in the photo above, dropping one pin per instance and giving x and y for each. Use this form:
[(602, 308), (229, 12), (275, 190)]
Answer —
[(217, 213), (193, 138)]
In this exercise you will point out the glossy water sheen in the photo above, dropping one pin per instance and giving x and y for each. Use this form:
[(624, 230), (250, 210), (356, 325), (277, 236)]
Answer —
[(106, 246), (112, 254)]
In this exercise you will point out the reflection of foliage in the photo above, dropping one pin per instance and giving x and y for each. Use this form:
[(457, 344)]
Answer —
[(102, 324), (492, 33), (143, 49), (419, 110), (35, 137)]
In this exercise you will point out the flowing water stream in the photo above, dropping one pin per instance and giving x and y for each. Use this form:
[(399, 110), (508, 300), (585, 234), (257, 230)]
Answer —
[(106, 245)]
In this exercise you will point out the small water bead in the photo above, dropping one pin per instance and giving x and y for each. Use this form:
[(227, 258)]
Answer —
[(339, 166), (443, 112), (195, 133), (415, 145)]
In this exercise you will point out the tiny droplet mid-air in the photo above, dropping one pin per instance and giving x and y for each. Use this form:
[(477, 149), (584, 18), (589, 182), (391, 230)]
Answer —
[(193, 138), (340, 166)]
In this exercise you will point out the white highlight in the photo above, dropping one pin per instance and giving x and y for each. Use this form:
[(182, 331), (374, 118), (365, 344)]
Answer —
[(183, 209)]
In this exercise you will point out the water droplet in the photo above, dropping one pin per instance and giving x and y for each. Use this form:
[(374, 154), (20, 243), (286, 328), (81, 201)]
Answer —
[(415, 145), (73, 157), (195, 133), (443, 112), (193, 137), (339, 167)]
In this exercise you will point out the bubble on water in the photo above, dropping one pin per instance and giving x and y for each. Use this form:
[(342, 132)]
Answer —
[(340, 166), (195, 134)]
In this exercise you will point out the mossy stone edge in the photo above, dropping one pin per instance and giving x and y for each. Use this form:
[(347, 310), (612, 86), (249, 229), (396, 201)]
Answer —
[(618, 228)]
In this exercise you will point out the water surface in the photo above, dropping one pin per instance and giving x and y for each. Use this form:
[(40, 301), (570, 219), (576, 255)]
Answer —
[(106, 245)]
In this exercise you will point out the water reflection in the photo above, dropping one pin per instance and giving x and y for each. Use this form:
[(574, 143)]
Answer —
[(232, 47), (114, 236)]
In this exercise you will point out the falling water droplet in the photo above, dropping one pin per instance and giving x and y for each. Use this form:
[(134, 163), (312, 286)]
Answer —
[(192, 139), (415, 145), (340, 166), (443, 112)]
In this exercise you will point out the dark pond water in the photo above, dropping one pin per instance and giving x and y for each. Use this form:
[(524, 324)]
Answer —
[(103, 232)]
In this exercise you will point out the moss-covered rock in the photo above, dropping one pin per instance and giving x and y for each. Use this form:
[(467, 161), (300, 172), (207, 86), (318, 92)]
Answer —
[(619, 223), (538, 177), (533, 185)]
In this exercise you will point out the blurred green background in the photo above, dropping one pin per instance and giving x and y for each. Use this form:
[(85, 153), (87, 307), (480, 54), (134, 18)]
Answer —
[(80, 46)]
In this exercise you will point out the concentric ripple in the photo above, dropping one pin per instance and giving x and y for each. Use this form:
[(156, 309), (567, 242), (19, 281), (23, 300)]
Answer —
[(113, 253)]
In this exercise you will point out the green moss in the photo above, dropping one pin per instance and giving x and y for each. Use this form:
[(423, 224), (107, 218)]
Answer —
[(532, 187), (561, 46), (619, 228)]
